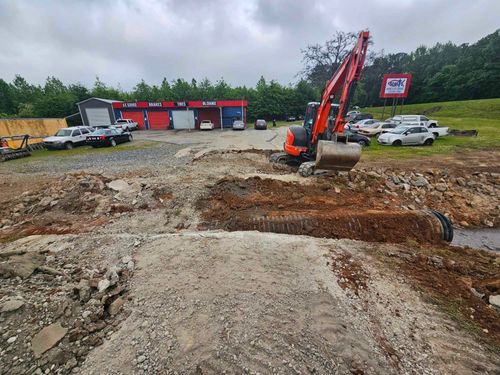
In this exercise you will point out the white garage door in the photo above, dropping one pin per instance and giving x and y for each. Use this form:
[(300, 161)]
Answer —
[(98, 116), (183, 119)]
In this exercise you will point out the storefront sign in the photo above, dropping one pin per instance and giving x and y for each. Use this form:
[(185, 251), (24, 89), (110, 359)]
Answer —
[(395, 86), (129, 105), (209, 103), (154, 104), (180, 104)]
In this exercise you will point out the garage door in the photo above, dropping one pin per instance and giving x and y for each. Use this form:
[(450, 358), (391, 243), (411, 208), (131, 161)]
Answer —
[(158, 120), (136, 116), (98, 116), (183, 119), (212, 114)]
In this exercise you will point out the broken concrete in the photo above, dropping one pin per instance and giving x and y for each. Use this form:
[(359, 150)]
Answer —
[(495, 300), (118, 185), (47, 338), (20, 266), (11, 304)]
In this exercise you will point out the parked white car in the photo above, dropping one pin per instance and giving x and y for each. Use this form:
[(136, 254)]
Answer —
[(362, 123), (126, 125), (376, 128), (206, 125), (407, 135), (67, 138)]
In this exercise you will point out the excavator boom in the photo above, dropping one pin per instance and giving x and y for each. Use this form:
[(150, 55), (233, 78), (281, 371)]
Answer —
[(331, 154), (314, 145), (345, 78)]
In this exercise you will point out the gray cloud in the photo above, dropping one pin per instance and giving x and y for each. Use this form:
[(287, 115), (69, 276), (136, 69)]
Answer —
[(123, 41)]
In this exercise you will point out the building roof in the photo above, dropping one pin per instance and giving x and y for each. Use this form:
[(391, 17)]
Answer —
[(109, 101)]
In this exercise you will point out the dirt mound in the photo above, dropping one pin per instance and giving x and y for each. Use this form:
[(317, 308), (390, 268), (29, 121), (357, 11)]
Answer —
[(76, 203), (320, 210)]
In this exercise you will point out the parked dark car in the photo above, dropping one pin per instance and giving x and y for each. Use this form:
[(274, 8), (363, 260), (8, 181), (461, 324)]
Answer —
[(260, 124), (358, 117), (291, 118), (355, 138), (108, 137)]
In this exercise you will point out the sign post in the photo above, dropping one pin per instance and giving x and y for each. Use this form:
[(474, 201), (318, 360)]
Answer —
[(395, 86)]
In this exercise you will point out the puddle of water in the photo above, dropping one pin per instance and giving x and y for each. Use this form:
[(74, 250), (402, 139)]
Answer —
[(486, 239)]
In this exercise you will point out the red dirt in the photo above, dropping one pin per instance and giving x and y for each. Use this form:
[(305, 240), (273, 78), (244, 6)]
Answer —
[(350, 273), (315, 210), (51, 224)]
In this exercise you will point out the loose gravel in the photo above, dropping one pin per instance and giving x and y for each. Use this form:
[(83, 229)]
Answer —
[(121, 159)]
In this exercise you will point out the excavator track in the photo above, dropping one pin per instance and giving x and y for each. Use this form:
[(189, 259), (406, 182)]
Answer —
[(307, 168), (282, 158)]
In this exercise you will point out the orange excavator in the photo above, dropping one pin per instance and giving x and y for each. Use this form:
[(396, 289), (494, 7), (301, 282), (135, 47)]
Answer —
[(320, 143)]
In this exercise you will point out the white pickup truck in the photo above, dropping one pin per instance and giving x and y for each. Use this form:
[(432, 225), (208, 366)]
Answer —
[(126, 125), (419, 120)]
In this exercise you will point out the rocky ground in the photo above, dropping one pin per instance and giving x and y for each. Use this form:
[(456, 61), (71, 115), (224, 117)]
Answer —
[(126, 270)]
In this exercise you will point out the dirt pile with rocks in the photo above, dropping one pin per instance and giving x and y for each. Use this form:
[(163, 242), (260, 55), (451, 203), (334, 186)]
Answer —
[(76, 203), (55, 305), (469, 200)]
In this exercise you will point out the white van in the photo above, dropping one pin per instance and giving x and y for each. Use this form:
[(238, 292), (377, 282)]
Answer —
[(414, 120)]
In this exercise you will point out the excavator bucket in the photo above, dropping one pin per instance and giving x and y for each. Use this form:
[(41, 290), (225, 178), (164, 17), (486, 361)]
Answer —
[(337, 156)]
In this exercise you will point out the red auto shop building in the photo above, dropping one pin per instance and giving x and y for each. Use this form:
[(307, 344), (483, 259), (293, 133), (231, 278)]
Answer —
[(181, 115)]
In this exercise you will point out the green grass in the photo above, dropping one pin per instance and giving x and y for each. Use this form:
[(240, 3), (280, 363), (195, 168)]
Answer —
[(482, 115), (482, 108)]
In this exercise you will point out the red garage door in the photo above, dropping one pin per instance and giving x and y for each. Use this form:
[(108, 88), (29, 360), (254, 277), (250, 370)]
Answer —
[(212, 114), (158, 120), (136, 116)]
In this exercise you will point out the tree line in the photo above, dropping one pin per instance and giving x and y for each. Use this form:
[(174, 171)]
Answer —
[(444, 72), (440, 73), (268, 99)]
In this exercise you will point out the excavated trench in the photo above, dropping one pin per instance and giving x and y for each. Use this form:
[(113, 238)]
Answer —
[(318, 210)]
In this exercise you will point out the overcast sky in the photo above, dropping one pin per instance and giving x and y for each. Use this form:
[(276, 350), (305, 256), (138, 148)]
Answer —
[(122, 41)]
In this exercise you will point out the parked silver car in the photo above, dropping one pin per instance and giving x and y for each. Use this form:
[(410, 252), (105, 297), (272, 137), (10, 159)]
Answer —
[(407, 135), (238, 125)]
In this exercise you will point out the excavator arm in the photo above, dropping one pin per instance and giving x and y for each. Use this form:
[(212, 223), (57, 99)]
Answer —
[(346, 77), (314, 145)]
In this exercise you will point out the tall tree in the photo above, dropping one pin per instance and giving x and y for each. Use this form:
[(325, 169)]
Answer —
[(6, 99), (321, 60)]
